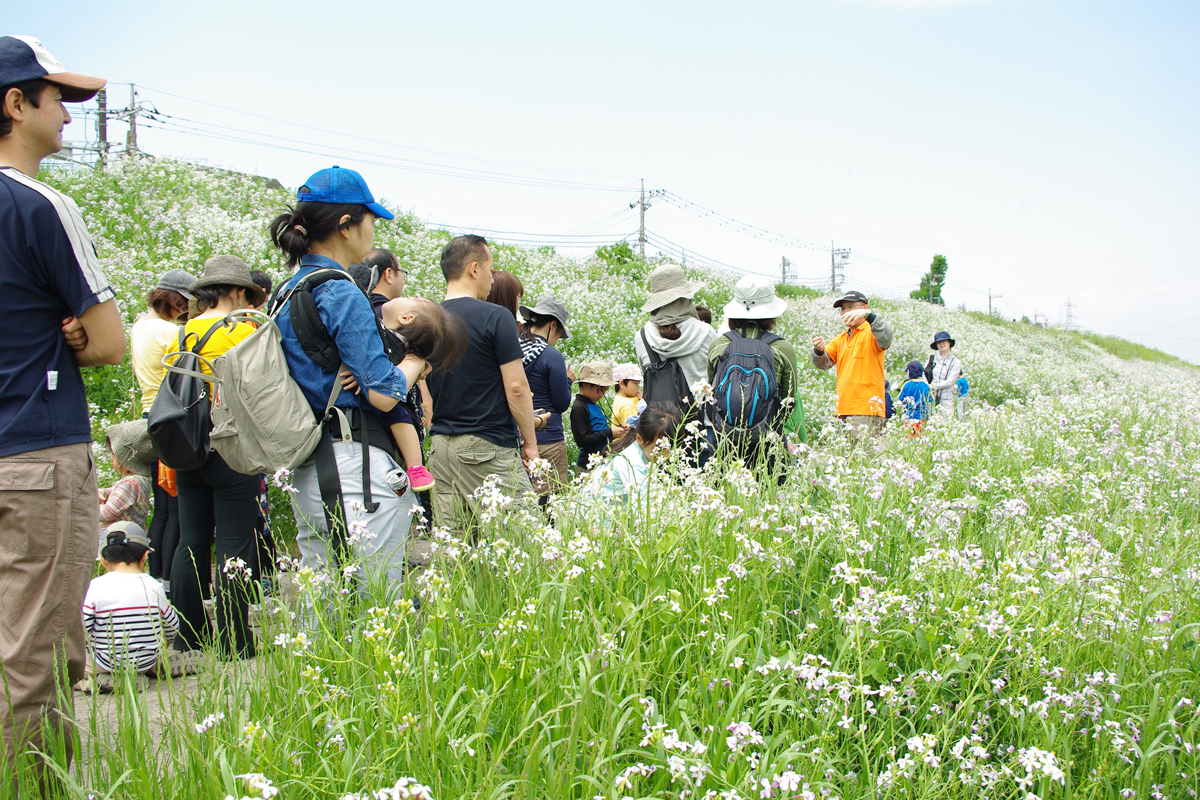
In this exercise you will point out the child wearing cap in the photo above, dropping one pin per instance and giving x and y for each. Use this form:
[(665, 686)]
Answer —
[(125, 612), (132, 457), (963, 388), (629, 391), (916, 400), (589, 424)]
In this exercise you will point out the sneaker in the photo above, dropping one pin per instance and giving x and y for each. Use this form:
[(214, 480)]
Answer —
[(185, 663), (419, 479)]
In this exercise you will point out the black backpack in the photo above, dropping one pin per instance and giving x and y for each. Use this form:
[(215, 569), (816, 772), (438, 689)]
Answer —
[(179, 421), (746, 389), (663, 382), (929, 370)]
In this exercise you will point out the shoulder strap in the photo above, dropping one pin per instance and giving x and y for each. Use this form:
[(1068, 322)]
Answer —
[(733, 335), (203, 340), (655, 359), (767, 338)]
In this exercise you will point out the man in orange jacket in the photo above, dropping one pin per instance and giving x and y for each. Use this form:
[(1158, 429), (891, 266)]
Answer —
[(858, 354)]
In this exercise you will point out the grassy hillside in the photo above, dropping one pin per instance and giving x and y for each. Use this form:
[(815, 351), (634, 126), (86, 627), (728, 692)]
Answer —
[(1003, 607)]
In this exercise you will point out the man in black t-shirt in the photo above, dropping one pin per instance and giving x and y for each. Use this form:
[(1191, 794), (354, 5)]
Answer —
[(482, 409)]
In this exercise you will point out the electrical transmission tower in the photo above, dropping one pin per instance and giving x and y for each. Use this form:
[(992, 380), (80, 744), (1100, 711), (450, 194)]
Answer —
[(992, 297)]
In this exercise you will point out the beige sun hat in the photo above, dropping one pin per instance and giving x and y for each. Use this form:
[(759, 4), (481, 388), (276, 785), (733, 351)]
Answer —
[(130, 444), (668, 283), (230, 271), (754, 298), (596, 372)]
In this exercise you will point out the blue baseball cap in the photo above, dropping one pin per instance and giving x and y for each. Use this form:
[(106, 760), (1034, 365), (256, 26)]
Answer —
[(338, 185), (24, 58)]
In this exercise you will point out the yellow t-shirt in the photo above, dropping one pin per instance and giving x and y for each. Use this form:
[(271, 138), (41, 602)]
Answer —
[(622, 407), (217, 344), (148, 343)]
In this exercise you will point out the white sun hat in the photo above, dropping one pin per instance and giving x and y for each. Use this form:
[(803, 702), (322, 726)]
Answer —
[(754, 298)]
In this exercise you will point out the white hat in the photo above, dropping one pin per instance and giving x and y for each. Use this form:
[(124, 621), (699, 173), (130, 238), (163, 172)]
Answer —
[(754, 298)]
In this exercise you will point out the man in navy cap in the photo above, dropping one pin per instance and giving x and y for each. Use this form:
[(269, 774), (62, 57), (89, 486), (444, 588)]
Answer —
[(857, 352), (53, 291)]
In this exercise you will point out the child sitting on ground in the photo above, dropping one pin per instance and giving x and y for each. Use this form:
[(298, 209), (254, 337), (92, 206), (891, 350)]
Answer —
[(132, 456), (125, 613), (916, 400), (629, 471), (589, 425), (629, 391)]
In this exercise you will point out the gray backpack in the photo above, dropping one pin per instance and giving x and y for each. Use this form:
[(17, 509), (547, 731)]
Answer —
[(262, 422)]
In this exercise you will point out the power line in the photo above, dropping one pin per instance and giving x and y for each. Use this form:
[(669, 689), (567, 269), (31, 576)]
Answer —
[(380, 141), (726, 221)]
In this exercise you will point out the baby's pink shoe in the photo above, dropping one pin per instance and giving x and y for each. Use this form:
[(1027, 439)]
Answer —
[(419, 479)]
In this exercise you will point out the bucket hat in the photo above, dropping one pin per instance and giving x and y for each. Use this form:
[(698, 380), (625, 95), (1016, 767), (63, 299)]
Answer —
[(229, 271), (131, 446), (850, 297), (668, 283), (940, 336), (596, 372), (339, 185), (627, 372), (126, 532), (754, 298), (549, 306), (24, 58), (177, 280)]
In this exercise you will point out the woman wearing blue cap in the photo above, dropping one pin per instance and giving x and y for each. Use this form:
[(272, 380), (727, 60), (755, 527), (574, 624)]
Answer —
[(343, 503)]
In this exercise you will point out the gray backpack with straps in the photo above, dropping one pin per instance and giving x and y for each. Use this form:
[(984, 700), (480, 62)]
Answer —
[(262, 422)]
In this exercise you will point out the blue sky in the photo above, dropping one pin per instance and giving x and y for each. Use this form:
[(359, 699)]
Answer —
[(1047, 149)]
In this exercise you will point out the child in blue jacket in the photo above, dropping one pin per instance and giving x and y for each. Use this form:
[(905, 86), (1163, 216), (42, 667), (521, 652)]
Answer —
[(916, 400)]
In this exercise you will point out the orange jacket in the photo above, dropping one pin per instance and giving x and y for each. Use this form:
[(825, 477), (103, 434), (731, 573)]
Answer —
[(859, 361)]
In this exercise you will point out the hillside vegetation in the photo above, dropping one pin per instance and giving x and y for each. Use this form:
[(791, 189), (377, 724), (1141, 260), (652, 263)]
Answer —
[(1004, 607)]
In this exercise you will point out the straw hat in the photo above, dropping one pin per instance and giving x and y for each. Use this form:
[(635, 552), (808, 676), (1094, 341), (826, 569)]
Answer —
[(754, 298), (230, 271), (596, 372), (130, 444), (668, 283)]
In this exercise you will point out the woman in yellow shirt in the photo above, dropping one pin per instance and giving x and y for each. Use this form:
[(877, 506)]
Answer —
[(217, 505), (152, 335)]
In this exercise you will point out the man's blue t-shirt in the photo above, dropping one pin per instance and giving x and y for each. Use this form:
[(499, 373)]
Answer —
[(48, 271)]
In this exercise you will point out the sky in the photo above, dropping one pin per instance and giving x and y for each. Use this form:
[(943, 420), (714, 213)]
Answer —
[(1047, 149)]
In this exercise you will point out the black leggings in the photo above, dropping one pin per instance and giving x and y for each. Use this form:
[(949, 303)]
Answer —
[(164, 529), (216, 506)]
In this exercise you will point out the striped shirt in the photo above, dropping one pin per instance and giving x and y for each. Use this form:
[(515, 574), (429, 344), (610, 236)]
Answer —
[(127, 616)]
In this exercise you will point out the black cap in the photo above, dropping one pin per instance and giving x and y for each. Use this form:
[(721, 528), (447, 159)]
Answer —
[(850, 297)]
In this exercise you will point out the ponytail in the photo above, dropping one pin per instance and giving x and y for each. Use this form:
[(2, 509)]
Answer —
[(294, 231)]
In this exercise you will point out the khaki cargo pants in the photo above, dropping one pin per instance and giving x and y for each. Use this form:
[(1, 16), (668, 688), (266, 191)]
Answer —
[(461, 464), (49, 515)]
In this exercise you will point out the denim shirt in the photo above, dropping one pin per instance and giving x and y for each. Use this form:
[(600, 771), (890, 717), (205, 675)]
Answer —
[(347, 315)]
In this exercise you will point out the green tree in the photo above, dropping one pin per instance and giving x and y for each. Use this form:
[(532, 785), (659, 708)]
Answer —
[(931, 283), (617, 254)]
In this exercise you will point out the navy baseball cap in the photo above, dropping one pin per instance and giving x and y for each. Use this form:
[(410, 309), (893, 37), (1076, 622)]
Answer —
[(338, 185), (850, 297), (24, 58)]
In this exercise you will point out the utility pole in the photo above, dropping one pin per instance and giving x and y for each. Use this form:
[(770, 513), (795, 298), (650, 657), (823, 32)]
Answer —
[(131, 140), (1070, 315), (783, 270), (992, 297), (835, 268), (102, 127), (643, 202), (642, 226)]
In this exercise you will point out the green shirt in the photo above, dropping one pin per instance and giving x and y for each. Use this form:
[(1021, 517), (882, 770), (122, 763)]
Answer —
[(785, 373)]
